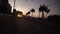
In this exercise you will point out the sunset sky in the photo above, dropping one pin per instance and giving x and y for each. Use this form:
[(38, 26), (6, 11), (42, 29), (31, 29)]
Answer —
[(26, 5)]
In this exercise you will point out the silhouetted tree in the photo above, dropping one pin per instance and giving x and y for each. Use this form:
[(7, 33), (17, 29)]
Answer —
[(28, 13), (48, 10), (39, 10), (43, 9), (5, 7), (20, 12), (9, 9), (14, 11), (32, 10)]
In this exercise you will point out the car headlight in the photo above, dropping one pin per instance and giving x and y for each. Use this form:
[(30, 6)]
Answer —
[(19, 15)]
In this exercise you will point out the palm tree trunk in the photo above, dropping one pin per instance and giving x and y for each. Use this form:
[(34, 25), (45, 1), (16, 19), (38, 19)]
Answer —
[(42, 15), (46, 15), (32, 14), (39, 14)]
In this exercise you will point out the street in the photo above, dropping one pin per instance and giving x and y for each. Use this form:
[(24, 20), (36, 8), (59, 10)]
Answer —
[(10, 25)]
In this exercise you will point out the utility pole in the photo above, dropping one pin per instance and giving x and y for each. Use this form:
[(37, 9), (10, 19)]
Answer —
[(14, 4), (14, 10)]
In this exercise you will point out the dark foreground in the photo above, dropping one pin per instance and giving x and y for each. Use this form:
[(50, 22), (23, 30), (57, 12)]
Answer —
[(11, 25)]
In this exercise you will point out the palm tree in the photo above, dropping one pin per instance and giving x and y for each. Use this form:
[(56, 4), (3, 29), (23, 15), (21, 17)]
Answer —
[(43, 9), (28, 13), (14, 10), (48, 10), (39, 10), (32, 10)]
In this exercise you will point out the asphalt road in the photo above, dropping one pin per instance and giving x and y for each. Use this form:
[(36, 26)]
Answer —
[(10, 25), (28, 27)]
